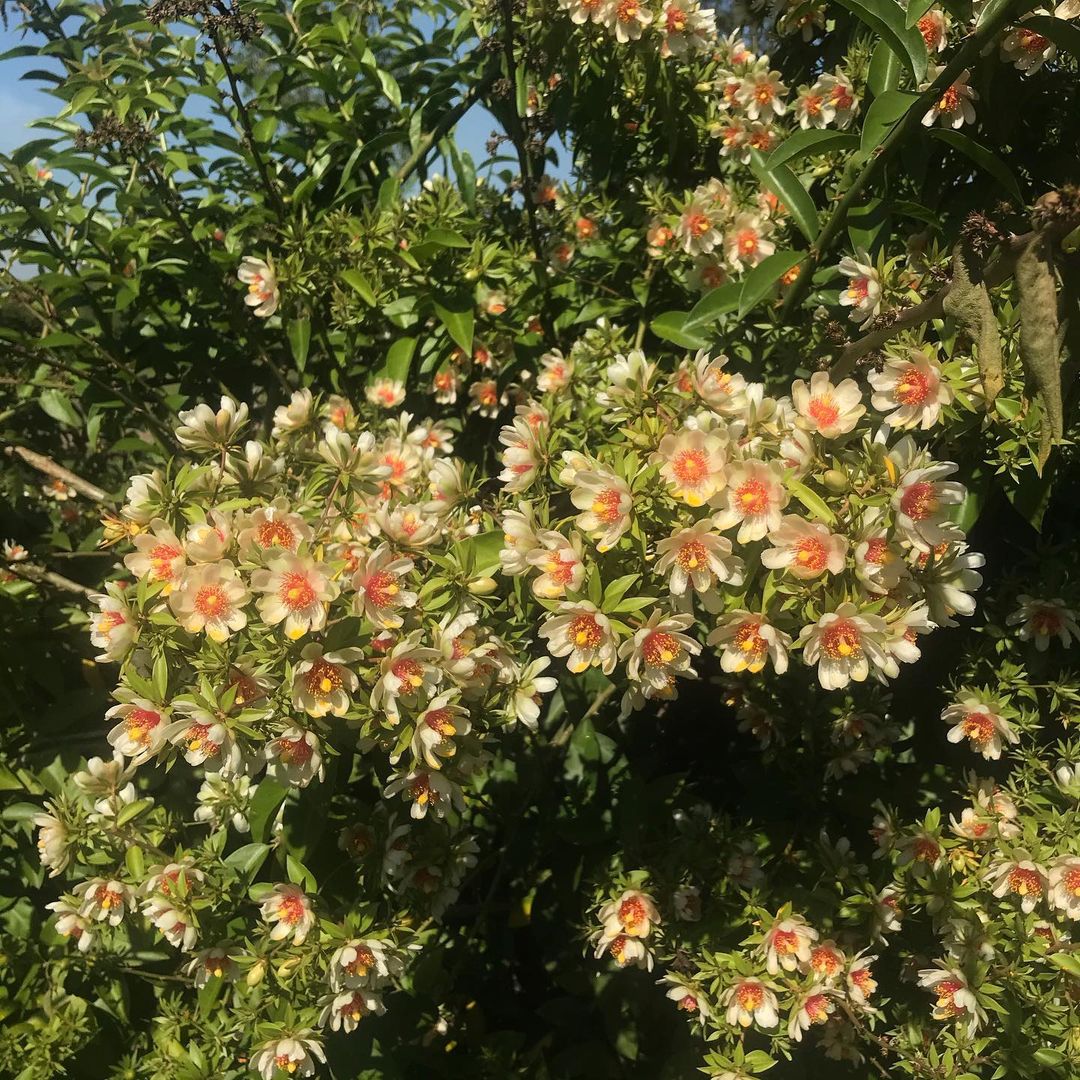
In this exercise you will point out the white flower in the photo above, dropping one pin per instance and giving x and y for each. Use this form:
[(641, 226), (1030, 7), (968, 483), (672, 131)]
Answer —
[(71, 924), (787, 944), (293, 417), (208, 540), (380, 588), (692, 464), (294, 1055), (294, 758), (386, 393), (847, 646), (322, 681), (686, 900), (172, 922), (687, 28), (289, 912), (158, 556), (140, 732), (698, 230), (933, 26), (633, 913), (748, 641), (426, 790), (745, 242), (605, 503), (436, 727), (1041, 620), (53, 843), (698, 557), (806, 549), (297, 591), (529, 684), (1025, 879), (826, 409), (860, 982), (624, 950), (523, 453), (753, 500), (981, 725), (204, 739), (659, 651), (143, 498), (113, 629), (921, 505), (216, 962), (519, 539), (721, 390), (59, 489), (261, 280), (627, 19), (557, 371), (863, 292), (580, 632), (345, 1010), (14, 552), (912, 387), (484, 398), (205, 430), (105, 901), (1064, 885), (560, 562), (762, 94), (954, 108), (1026, 50), (210, 600), (814, 107), (814, 1006), (947, 581), (225, 800), (750, 1001), (408, 675)]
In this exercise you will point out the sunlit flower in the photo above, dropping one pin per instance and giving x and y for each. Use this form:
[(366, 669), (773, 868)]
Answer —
[(659, 650), (1020, 876), (624, 950), (293, 417), (921, 504), (687, 27), (71, 924), (519, 539), (633, 913), (605, 503), (954, 108), (140, 730), (1041, 620), (698, 229), (529, 684), (750, 1001), (484, 398), (746, 243), (814, 1006), (762, 95), (1026, 50), (861, 984), (829, 410), (806, 549), (210, 600), (427, 790), (408, 675), (580, 632), (692, 464), (912, 387), (748, 642), (203, 738), (381, 591), (1063, 883), (292, 1056), (323, 682), (294, 758), (344, 1011), (217, 962), (297, 591), (113, 628), (627, 19), (985, 730), (787, 944), (863, 291), (53, 841), (204, 430), (158, 556), (847, 646), (385, 393), (561, 564), (946, 582), (753, 499), (225, 800), (932, 26), (105, 901), (698, 557), (263, 294), (289, 913)]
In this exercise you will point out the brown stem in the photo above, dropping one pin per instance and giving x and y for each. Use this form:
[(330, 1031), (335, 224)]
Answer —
[(40, 576), (49, 467)]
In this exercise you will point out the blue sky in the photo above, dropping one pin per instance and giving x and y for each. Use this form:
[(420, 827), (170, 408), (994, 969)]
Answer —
[(22, 102)]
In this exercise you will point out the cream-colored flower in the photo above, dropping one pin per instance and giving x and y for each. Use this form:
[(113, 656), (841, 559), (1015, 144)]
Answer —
[(954, 108), (700, 558), (806, 549), (921, 505), (1064, 885), (627, 19), (787, 944), (292, 1056), (385, 393), (263, 294), (583, 634), (560, 560), (826, 409), (288, 910), (749, 641), (158, 556), (983, 727), (210, 600), (659, 650), (297, 591), (750, 1001), (294, 758), (1041, 620), (753, 499), (113, 629), (140, 730), (204, 430), (848, 646), (746, 242), (911, 390), (293, 417), (381, 590), (408, 675), (605, 502), (519, 539), (863, 292), (691, 463)]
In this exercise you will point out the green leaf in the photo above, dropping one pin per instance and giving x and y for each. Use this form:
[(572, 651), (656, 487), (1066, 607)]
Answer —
[(1046, 1055), (133, 810), (445, 238), (916, 10), (360, 285), (616, 590), (459, 325), (1068, 962), (712, 305), (787, 187), (246, 860), (884, 72), (399, 359), (134, 861), (886, 19), (390, 87), (1063, 34), (885, 110), (299, 338), (482, 551), (982, 157), (814, 503), (268, 797), (764, 276), (812, 141), (57, 405), (299, 874), (670, 327)]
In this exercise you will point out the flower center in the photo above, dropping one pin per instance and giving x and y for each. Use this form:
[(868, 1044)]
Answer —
[(1046, 622), (929, 29), (747, 240), (632, 913), (291, 910), (913, 387), (698, 224), (382, 588), (786, 942), (676, 20), (1032, 42), (211, 601), (978, 727), (692, 555), (690, 467), (858, 289), (947, 990), (606, 506), (823, 411), (811, 553), (825, 961), (294, 751), (1025, 882), (108, 621), (751, 498), (841, 641), (323, 678), (585, 632), (196, 740), (409, 672), (949, 101), (817, 1008), (812, 104), (750, 995), (139, 723), (296, 591), (1071, 880), (749, 641), (660, 648), (919, 501), (275, 533), (877, 551), (161, 560), (361, 963), (926, 850), (441, 721)]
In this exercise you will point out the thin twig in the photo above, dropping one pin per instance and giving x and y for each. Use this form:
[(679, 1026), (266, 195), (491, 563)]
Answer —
[(49, 467), (38, 575)]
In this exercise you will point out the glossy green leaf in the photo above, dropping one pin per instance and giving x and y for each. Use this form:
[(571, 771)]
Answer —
[(886, 19), (981, 156), (758, 283), (299, 332), (459, 325), (885, 68), (712, 305), (670, 327), (56, 404), (883, 113), (360, 285), (812, 141), (787, 187)]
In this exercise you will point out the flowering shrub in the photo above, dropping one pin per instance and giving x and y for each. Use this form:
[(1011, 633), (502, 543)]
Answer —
[(603, 610)]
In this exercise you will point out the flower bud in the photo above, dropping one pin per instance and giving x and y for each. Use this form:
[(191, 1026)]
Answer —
[(836, 481), (256, 974), (482, 586)]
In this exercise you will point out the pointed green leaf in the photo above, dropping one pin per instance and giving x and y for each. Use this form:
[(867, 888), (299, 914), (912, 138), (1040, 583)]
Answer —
[(299, 339), (812, 141), (764, 276), (459, 325), (787, 187), (360, 285), (886, 19), (982, 157)]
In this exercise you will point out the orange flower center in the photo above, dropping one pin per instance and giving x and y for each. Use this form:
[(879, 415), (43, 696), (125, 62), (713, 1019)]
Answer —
[(751, 498), (786, 942), (978, 727), (949, 101), (690, 467), (362, 962), (441, 721), (841, 641), (607, 506), (747, 240), (823, 411), (323, 678), (750, 995), (913, 387), (211, 601), (749, 641), (1071, 880), (930, 30), (409, 672), (632, 913), (676, 19), (1032, 42), (382, 588), (692, 556), (139, 723), (585, 632), (1025, 882), (811, 553), (296, 591), (294, 751), (919, 501), (877, 551), (291, 910), (825, 961), (817, 1008), (275, 533), (660, 648), (196, 740), (161, 560), (812, 104), (698, 224), (108, 621)]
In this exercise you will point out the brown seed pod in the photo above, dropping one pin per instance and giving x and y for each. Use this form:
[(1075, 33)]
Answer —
[(1039, 342), (968, 302)]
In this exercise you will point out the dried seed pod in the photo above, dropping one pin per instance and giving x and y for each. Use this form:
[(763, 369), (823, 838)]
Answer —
[(1040, 347), (968, 302)]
